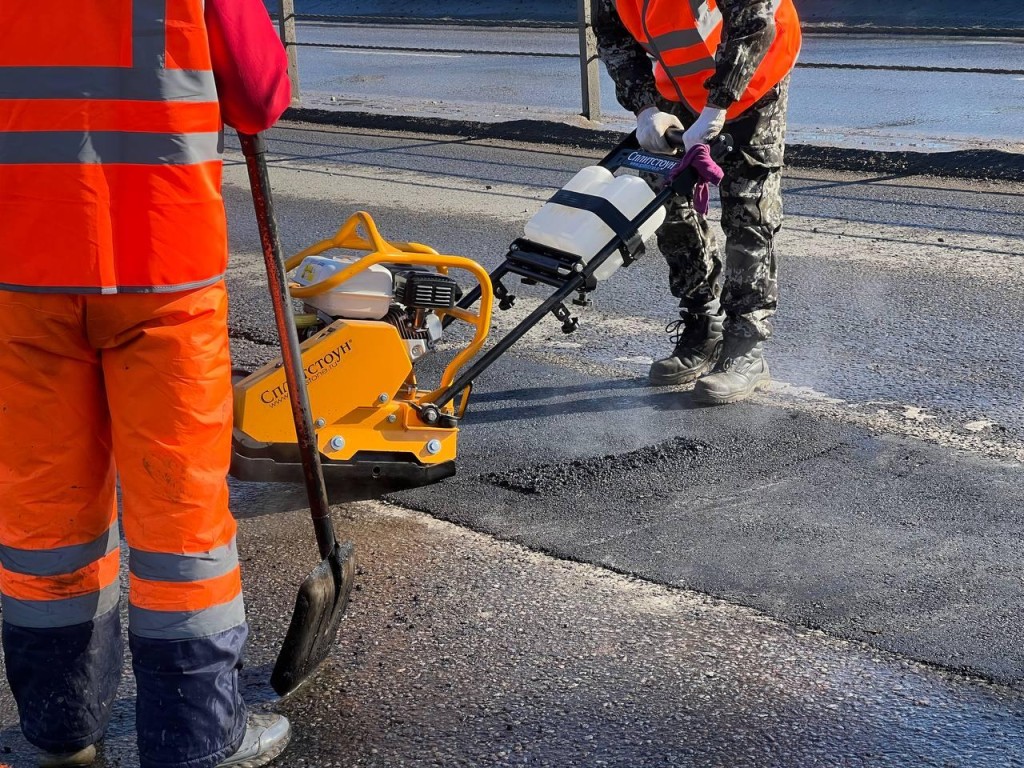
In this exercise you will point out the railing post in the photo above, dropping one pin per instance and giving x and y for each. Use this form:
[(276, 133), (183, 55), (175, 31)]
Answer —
[(288, 37), (589, 65)]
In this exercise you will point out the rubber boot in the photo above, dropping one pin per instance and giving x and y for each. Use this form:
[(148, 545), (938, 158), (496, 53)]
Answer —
[(84, 756), (741, 371), (698, 339), (266, 736)]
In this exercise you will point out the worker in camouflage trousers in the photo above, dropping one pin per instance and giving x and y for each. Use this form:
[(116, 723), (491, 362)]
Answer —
[(709, 67)]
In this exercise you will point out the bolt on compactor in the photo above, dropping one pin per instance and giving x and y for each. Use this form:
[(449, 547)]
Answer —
[(374, 308)]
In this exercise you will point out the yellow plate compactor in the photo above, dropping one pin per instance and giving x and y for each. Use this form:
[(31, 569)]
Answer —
[(373, 310), (377, 429)]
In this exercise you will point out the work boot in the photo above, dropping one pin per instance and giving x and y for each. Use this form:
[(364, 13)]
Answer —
[(741, 371), (84, 756), (266, 736), (698, 340)]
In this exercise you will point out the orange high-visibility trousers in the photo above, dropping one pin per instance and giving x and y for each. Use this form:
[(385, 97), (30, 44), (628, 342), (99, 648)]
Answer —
[(136, 388)]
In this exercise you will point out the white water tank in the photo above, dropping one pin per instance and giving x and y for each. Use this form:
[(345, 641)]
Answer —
[(583, 233), (366, 296)]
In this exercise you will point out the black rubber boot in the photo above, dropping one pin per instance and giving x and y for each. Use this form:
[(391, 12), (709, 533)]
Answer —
[(698, 339), (741, 371)]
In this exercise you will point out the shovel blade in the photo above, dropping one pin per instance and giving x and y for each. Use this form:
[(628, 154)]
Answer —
[(319, 609)]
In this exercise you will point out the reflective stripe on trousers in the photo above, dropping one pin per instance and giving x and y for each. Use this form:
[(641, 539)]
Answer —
[(140, 384)]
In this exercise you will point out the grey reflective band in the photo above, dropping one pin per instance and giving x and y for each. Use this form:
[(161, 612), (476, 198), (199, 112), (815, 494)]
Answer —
[(67, 612), (706, 21), (709, 22), (107, 83), (160, 566), (112, 290), (185, 625), (149, 33), (59, 561), (147, 79), (691, 67), (682, 38), (107, 148)]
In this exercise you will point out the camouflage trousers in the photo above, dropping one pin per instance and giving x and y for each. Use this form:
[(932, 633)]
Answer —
[(744, 282)]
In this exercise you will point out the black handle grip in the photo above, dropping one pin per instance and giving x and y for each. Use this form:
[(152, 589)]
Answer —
[(253, 144), (720, 146), (674, 137)]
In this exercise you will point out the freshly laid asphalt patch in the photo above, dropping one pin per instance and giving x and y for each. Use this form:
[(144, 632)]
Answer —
[(887, 540), (558, 479)]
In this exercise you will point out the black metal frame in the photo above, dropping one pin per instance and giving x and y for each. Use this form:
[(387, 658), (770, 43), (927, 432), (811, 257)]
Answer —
[(567, 273), (367, 475)]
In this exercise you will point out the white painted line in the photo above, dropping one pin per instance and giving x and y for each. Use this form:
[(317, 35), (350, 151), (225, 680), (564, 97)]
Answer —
[(398, 53)]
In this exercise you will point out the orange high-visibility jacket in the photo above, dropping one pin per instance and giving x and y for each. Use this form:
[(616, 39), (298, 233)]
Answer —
[(110, 148), (683, 35)]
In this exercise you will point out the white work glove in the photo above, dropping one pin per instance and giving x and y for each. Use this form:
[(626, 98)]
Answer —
[(651, 126), (709, 124)]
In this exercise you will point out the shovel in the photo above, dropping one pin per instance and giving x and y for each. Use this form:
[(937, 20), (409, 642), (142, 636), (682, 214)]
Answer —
[(324, 594)]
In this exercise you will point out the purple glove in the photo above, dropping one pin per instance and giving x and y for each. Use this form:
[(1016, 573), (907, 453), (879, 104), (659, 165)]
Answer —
[(708, 171)]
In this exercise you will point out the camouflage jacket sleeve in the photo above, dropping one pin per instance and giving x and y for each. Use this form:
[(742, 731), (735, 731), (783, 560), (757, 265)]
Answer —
[(748, 32), (626, 60)]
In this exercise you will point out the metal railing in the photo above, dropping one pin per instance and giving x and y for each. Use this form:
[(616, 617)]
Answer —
[(590, 84), (590, 89)]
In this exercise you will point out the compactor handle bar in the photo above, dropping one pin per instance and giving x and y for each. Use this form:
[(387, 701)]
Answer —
[(627, 154)]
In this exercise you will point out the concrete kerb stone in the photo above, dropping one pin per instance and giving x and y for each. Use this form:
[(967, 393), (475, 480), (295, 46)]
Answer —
[(984, 164)]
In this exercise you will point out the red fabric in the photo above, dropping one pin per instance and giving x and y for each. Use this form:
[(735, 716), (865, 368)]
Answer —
[(249, 62)]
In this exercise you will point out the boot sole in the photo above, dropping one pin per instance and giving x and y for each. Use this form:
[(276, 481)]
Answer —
[(683, 378), (267, 757), (709, 398), (84, 757)]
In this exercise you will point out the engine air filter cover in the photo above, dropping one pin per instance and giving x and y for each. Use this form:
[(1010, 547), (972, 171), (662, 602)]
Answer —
[(425, 290)]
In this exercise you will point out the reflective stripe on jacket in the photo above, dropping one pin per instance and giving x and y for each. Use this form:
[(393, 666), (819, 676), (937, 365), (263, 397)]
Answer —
[(682, 36), (110, 148)]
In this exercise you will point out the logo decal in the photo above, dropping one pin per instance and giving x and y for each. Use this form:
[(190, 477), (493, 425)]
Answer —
[(319, 367)]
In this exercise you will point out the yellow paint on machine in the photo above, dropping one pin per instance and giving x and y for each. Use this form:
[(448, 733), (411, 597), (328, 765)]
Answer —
[(361, 385), (362, 388)]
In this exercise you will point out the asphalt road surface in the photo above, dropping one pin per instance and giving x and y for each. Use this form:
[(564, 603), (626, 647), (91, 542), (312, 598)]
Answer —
[(882, 110), (828, 575)]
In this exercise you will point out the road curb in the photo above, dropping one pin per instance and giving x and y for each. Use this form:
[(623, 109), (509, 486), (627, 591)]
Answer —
[(968, 164), (825, 28)]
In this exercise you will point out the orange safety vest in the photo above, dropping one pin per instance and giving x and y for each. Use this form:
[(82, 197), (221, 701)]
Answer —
[(683, 36), (110, 148)]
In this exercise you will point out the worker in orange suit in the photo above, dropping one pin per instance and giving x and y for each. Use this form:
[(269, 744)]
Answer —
[(115, 367)]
